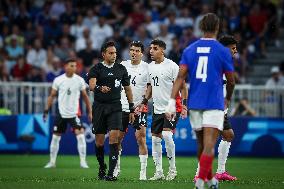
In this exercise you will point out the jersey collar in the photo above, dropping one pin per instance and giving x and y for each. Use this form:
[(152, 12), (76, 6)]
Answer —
[(203, 38), (108, 66)]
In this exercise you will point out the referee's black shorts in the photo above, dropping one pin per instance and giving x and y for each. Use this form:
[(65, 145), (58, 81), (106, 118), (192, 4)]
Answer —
[(106, 117)]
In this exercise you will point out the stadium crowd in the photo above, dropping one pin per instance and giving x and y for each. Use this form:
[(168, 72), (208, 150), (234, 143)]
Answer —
[(36, 36)]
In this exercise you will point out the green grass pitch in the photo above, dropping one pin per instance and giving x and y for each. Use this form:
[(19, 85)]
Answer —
[(27, 172)]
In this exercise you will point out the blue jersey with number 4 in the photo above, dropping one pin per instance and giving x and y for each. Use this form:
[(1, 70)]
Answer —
[(206, 61)]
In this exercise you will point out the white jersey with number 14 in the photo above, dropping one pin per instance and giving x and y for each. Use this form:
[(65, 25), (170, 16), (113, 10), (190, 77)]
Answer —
[(138, 82)]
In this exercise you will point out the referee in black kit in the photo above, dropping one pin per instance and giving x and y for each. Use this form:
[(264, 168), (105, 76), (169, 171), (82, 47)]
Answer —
[(105, 80)]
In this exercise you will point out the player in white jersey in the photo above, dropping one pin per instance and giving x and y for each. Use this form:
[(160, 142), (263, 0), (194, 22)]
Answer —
[(68, 87), (162, 73), (138, 73)]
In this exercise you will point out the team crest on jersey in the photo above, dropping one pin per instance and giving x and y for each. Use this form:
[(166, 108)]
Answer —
[(68, 91), (117, 83)]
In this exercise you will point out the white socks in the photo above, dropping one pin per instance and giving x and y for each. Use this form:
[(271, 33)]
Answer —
[(197, 169), (118, 160), (223, 151), (157, 153), (170, 148), (81, 145), (54, 147), (143, 162)]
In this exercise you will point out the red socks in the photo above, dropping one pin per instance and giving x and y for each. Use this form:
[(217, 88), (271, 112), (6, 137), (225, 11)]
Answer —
[(205, 170)]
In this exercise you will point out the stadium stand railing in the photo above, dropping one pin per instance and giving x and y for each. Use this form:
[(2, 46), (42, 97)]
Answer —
[(28, 98)]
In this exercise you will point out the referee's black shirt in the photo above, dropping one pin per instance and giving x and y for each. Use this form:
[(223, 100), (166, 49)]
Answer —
[(113, 77)]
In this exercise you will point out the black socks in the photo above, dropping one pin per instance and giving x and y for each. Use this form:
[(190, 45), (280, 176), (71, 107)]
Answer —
[(113, 156)]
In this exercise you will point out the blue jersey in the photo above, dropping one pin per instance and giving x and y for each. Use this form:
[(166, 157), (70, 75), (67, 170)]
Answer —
[(206, 61)]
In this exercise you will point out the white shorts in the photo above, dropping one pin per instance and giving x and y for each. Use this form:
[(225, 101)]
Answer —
[(206, 118)]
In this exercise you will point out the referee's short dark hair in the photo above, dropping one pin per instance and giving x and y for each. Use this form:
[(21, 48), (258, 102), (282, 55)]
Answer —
[(159, 42), (137, 44), (227, 40), (106, 45)]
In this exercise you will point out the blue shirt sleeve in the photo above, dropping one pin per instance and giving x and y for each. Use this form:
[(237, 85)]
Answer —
[(228, 64)]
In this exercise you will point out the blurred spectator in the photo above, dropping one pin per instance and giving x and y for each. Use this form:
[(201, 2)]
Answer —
[(15, 35), (14, 50), (77, 29), (90, 19), (81, 41), (22, 18), (187, 37), (35, 74), (126, 29), (276, 79), (257, 20), (55, 71), (243, 108), (166, 37), (3, 20), (172, 25), (4, 75), (66, 33), (175, 53), (29, 33), (57, 8), (52, 30), (185, 20), (37, 56), (69, 16), (114, 17), (197, 32), (101, 29), (42, 18), (88, 55), (142, 35), (21, 69), (137, 14), (63, 50), (152, 28), (234, 18), (39, 34)]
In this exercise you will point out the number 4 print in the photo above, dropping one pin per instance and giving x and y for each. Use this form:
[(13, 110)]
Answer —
[(133, 81), (201, 72)]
